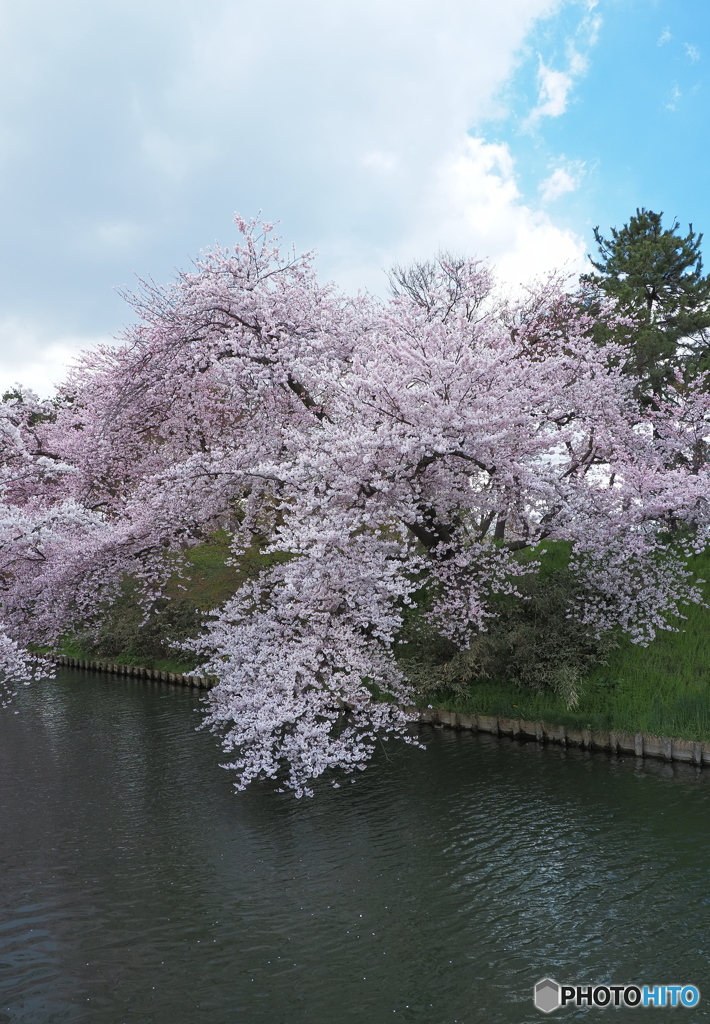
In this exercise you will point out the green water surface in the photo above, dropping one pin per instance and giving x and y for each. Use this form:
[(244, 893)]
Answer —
[(137, 888)]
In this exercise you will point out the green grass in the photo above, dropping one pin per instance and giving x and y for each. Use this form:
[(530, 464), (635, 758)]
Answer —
[(662, 689), (73, 649), (206, 583)]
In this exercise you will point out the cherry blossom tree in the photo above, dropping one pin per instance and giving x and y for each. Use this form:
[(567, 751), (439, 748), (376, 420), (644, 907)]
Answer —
[(386, 454)]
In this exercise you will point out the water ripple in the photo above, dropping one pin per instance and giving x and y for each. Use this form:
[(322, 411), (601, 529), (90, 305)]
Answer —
[(136, 887)]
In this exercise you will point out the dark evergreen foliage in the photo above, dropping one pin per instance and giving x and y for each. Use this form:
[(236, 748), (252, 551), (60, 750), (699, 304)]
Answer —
[(126, 634), (532, 642), (656, 276)]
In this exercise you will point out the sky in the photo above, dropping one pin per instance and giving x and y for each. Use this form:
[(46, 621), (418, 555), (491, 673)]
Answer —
[(376, 131)]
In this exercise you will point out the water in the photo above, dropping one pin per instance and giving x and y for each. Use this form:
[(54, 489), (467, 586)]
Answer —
[(136, 888)]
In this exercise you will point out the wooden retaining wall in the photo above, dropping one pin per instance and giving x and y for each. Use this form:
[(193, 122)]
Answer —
[(177, 678), (639, 744)]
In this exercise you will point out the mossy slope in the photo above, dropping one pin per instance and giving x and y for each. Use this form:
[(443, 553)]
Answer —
[(663, 688)]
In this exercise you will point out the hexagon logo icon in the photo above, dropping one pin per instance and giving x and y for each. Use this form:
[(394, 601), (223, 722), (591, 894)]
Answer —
[(547, 995)]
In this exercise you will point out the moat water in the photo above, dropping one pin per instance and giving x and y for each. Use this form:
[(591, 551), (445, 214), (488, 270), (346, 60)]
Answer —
[(137, 888)]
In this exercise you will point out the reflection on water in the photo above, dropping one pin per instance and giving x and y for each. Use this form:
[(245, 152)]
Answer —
[(138, 889)]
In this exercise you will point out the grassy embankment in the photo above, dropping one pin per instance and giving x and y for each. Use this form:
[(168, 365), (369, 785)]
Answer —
[(663, 689), (207, 583)]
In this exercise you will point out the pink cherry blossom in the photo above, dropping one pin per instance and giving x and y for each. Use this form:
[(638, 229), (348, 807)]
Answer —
[(377, 450)]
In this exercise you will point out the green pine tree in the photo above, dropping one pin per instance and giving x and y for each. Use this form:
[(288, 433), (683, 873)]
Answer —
[(656, 276)]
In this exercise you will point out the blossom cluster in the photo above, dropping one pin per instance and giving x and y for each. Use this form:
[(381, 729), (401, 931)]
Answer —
[(376, 451)]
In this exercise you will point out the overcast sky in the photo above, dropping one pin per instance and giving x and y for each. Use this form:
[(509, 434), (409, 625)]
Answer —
[(374, 130)]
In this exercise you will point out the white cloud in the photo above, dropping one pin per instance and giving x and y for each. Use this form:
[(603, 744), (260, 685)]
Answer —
[(562, 180), (348, 121), (118, 235), (385, 163), (665, 36), (673, 99), (554, 88), (692, 53), (476, 207), (35, 357), (592, 26)]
